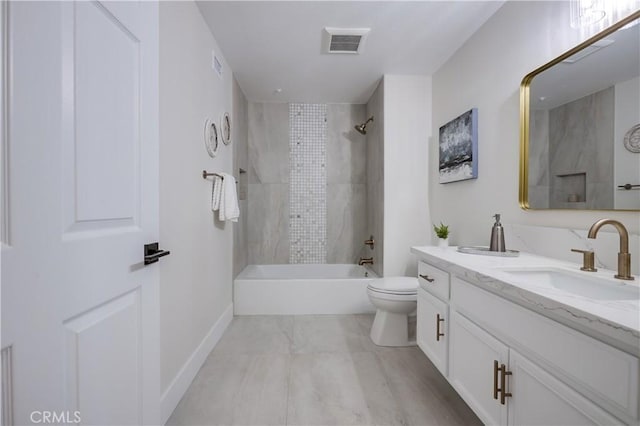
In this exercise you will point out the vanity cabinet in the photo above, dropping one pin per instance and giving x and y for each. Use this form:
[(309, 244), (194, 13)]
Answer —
[(505, 388), (432, 330), (432, 333), (473, 354), (514, 366), (543, 399)]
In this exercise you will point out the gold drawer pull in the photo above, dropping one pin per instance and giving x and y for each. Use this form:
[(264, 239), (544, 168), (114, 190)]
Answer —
[(426, 277), (502, 389), (503, 383), (438, 334), (496, 389)]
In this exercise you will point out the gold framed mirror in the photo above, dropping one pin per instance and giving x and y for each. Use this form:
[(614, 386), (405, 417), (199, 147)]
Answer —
[(579, 125)]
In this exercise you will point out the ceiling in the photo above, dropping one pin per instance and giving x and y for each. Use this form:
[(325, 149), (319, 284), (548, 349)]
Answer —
[(274, 45)]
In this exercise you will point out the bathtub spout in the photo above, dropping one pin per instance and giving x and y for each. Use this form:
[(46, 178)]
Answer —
[(365, 261)]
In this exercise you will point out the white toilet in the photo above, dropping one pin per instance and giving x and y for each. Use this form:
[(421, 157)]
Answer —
[(394, 298)]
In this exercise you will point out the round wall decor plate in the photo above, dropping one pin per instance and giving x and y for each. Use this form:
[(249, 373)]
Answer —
[(225, 128), (632, 139), (211, 137)]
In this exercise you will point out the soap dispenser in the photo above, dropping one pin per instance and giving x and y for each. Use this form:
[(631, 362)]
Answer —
[(497, 236)]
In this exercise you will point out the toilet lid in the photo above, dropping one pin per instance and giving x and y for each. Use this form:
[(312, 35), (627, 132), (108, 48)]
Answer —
[(395, 285)]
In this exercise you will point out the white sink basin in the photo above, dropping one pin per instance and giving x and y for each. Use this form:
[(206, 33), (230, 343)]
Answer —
[(575, 283)]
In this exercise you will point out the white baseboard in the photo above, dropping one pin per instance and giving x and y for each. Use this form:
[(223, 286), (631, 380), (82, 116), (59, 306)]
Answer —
[(176, 390)]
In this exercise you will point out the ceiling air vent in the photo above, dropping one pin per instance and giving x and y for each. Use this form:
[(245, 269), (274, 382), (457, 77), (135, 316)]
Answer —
[(344, 40), (593, 48)]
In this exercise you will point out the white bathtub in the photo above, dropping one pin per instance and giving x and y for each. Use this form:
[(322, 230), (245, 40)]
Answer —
[(300, 289)]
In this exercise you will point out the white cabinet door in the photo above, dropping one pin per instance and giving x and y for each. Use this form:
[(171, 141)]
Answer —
[(432, 329), (472, 353), (79, 308), (540, 399)]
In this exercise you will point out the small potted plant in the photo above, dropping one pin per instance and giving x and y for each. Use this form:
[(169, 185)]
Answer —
[(442, 232)]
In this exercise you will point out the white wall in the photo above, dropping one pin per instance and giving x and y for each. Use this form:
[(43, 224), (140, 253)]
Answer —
[(627, 164), (486, 73), (195, 281), (407, 126)]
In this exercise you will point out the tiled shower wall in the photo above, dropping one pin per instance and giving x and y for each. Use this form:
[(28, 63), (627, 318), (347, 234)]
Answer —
[(375, 178), (240, 161), (275, 185)]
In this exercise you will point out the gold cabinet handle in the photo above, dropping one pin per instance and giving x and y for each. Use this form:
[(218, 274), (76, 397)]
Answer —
[(496, 389), (503, 384), (438, 334), (426, 277)]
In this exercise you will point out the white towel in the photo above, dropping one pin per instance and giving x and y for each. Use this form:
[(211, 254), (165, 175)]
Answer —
[(224, 198), (216, 191)]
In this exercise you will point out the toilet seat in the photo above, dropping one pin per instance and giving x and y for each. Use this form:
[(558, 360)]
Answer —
[(403, 297), (394, 286)]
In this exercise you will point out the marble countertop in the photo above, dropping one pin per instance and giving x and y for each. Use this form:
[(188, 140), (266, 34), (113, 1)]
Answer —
[(616, 322)]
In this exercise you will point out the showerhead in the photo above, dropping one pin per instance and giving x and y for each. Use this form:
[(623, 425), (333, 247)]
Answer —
[(362, 128)]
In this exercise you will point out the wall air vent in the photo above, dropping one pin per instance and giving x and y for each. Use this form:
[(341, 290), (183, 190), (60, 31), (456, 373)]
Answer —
[(344, 40)]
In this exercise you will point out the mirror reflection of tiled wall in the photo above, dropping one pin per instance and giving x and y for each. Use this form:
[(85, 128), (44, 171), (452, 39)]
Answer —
[(571, 154)]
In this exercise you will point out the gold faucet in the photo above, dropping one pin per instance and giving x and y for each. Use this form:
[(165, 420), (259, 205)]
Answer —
[(624, 257), (365, 261)]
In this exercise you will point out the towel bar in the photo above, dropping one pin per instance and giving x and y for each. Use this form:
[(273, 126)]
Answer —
[(628, 186), (206, 174)]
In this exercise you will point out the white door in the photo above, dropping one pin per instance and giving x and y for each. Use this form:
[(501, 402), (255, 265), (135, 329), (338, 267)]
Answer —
[(538, 398), (431, 334), (472, 354), (79, 308)]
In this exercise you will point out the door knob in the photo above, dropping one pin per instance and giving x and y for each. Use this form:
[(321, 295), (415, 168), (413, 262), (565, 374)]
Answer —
[(152, 253)]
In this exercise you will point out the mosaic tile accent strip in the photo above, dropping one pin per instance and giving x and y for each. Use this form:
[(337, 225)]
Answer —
[(308, 183)]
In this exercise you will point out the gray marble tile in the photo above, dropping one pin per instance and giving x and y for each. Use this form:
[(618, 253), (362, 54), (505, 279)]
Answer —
[(329, 333), (257, 335), (599, 195), (346, 222), (539, 148), (422, 393), (340, 389), (268, 224), (268, 143), (240, 145), (365, 321), (240, 240), (539, 196), (237, 389), (375, 177), (581, 141), (346, 148), (250, 378)]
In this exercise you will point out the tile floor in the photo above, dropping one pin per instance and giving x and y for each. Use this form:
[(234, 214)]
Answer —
[(316, 370)]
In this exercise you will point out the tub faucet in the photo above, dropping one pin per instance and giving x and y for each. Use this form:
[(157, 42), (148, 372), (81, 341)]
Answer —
[(624, 257), (365, 261), (370, 242)]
